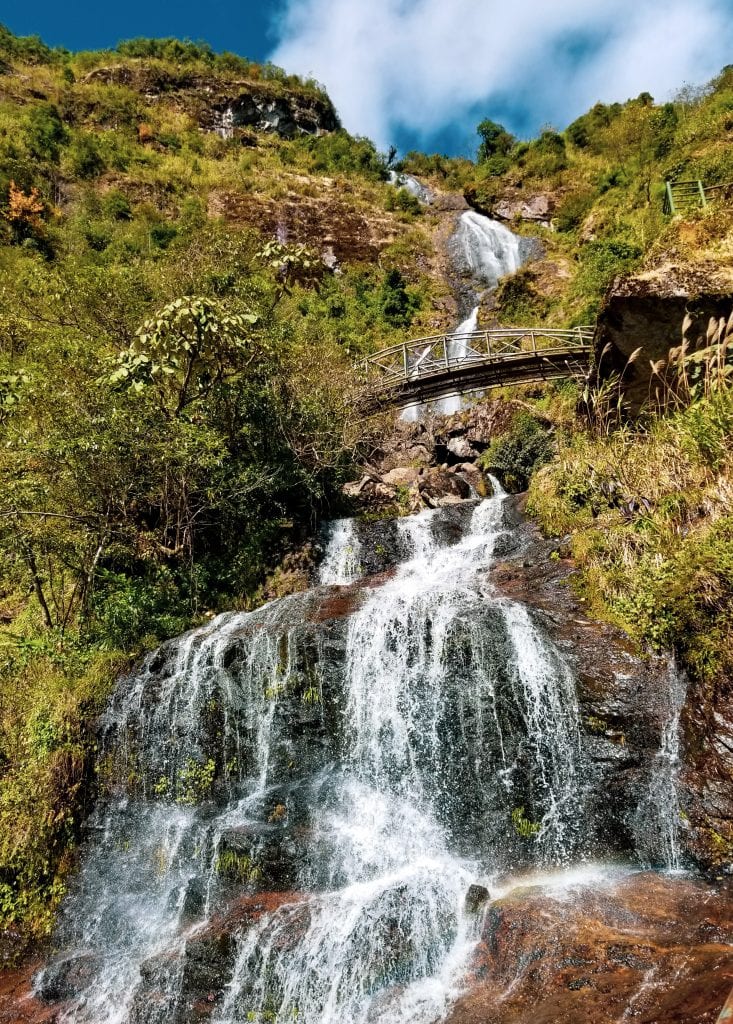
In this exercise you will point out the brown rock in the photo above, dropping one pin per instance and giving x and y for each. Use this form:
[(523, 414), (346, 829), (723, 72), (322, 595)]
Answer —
[(538, 208), (461, 447), (439, 487), (473, 476), (355, 487), (401, 476), (476, 897), (644, 314), (18, 1005), (646, 948)]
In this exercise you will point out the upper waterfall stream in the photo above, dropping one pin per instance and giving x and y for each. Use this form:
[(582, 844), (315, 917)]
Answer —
[(299, 799), (485, 251)]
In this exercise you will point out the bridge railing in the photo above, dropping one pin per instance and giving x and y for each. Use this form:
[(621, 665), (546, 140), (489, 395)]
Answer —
[(439, 354)]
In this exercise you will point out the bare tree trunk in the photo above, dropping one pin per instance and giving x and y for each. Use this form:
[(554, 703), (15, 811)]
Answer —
[(37, 584)]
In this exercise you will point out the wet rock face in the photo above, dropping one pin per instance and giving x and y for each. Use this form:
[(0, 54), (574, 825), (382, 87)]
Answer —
[(707, 778), (182, 726), (622, 695), (18, 1003), (646, 948)]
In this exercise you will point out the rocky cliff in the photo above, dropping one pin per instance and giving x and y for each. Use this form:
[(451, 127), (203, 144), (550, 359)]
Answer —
[(225, 104)]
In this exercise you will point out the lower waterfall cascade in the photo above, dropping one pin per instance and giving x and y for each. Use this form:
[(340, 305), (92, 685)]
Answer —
[(322, 790)]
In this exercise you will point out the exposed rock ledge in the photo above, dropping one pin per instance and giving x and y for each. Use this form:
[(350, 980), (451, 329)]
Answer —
[(432, 463), (645, 312), (222, 105), (645, 948)]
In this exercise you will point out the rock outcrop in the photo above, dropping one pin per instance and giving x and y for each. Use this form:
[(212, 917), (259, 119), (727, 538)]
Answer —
[(648, 948), (225, 105), (644, 314), (514, 206), (327, 218), (431, 463)]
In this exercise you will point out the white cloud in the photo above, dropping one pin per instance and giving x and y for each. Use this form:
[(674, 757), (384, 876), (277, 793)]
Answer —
[(423, 64)]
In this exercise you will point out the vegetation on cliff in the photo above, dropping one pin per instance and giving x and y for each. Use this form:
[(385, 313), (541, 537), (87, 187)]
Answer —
[(647, 507), (600, 184), (175, 386)]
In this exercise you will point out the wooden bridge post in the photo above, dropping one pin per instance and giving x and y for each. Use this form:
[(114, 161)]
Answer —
[(404, 360)]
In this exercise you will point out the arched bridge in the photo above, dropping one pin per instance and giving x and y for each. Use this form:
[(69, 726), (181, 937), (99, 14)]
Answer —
[(426, 369)]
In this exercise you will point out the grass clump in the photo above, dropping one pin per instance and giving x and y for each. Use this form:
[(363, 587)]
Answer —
[(647, 506), (516, 454)]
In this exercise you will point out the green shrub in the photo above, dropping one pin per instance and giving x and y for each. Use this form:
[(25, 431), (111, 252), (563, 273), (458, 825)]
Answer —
[(84, 157), (397, 304), (45, 132), (573, 209), (162, 234), (117, 206), (516, 454)]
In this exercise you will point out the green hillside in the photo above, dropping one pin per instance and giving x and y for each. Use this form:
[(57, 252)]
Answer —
[(193, 253)]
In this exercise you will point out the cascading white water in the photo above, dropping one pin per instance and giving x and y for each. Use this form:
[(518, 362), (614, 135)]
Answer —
[(393, 869), (411, 185), (341, 561), (485, 248), (225, 125), (658, 812), (470, 324), (427, 741)]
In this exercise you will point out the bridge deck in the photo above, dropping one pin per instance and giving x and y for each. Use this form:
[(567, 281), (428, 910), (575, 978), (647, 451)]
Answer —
[(428, 368)]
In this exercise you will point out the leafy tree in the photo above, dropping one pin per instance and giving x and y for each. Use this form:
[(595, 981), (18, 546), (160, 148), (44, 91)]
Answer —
[(396, 303), (45, 132), (495, 140), (189, 348), (293, 265), (25, 214)]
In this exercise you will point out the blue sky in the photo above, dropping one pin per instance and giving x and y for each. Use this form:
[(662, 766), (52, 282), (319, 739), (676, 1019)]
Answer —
[(423, 73), (245, 27)]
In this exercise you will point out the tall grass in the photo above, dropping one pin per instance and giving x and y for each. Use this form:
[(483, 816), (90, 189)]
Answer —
[(648, 508)]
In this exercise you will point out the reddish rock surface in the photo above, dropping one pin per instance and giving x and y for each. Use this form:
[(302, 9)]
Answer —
[(17, 1002), (649, 949)]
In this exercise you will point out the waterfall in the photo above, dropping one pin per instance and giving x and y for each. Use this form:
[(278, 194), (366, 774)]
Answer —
[(411, 185), (358, 769), (341, 563), (470, 324), (657, 819), (225, 122), (485, 248)]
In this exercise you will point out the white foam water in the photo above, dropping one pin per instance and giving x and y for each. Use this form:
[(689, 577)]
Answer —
[(658, 814), (456, 712), (342, 559), (485, 248)]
